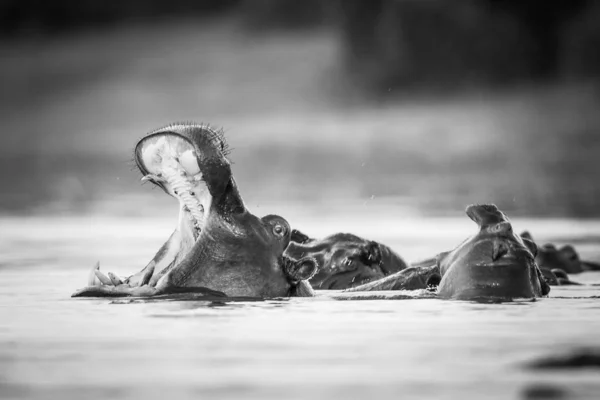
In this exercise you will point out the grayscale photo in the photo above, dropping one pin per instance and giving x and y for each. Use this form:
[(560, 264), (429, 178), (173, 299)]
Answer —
[(300, 200)]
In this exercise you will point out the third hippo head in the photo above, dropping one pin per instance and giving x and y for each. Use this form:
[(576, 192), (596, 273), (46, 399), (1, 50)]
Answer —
[(494, 263)]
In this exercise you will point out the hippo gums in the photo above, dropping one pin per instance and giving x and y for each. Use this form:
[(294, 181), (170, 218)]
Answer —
[(344, 260), (495, 263), (218, 247)]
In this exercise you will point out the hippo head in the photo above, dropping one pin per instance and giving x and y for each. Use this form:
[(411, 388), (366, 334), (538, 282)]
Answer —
[(218, 244), (564, 258), (345, 260), (494, 263)]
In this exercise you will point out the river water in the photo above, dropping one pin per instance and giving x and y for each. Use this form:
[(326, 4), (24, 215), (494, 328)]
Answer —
[(55, 347)]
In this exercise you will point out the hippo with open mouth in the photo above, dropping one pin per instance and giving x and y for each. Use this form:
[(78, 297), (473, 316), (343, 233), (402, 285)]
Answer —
[(345, 260), (218, 247), (495, 263)]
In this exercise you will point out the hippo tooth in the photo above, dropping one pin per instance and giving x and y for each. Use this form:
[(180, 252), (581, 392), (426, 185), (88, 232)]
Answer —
[(103, 278), (152, 178), (92, 276), (183, 189), (115, 279), (148, 274)]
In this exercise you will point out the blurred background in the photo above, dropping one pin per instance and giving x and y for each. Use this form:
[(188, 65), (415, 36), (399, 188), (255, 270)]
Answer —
[(408, 106)]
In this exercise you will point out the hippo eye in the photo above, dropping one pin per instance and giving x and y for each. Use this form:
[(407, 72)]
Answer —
[(278, 230)]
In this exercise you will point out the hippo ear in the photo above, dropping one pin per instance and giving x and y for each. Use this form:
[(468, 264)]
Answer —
[(485, 215), (526, 235), (299, 237), (549, 247), (300, 270), (530, 245), (569, 252)]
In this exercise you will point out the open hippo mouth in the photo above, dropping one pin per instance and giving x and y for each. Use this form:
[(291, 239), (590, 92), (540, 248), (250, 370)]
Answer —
[(218, 247), (170, 161)]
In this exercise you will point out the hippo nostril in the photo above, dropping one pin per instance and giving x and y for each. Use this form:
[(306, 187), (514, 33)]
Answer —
[(499, 250)]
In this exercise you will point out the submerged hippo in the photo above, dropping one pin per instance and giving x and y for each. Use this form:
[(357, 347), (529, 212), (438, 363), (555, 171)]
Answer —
[(553, 262), (218, 247), (345, 260), (564, 258), (495, 263)]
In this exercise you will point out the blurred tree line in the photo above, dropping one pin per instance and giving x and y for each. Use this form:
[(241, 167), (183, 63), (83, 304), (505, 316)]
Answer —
[(400, 43), (386, 43)]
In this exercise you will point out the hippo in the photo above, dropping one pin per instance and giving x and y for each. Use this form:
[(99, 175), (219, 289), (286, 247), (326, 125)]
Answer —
[(564, 258), (495, 263), (562, 278), (344, 260), (219, 248)]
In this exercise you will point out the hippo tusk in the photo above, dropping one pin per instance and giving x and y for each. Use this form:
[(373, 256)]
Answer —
[(115, 279), (92, 275), (103, 278), (151, 178), (148, 274)]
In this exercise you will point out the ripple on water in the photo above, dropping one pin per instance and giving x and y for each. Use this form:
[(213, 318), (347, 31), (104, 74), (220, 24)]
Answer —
[(52, 346)]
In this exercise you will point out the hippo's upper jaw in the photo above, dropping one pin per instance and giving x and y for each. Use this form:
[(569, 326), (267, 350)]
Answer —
[(189, 163), (494, 263), (218, 243)]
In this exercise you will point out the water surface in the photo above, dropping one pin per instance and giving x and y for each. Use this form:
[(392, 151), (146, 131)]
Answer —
[(55, 347)]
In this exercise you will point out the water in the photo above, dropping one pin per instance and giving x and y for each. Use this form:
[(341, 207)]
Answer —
[(55, 347)]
